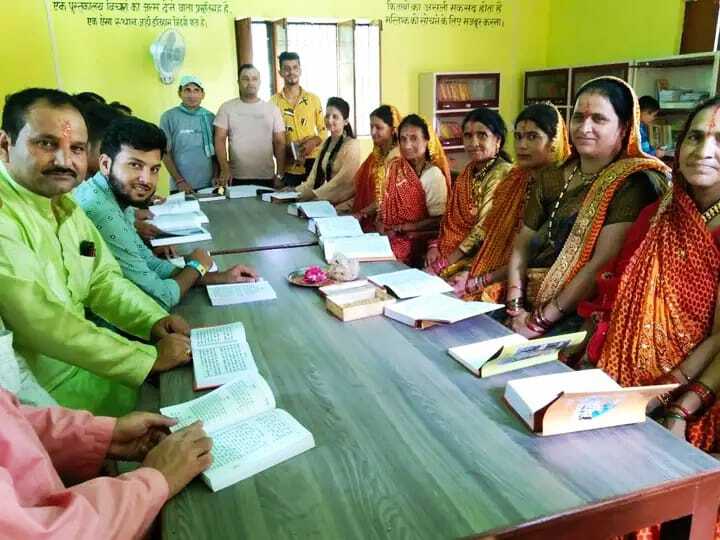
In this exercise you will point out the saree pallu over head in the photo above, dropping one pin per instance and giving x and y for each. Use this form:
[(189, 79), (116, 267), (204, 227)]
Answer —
[(505, 217), (580, 244)]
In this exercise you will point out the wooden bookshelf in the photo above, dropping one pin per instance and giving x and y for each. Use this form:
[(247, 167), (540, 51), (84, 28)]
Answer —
[(445, 99), (549, 85), (581, 74)]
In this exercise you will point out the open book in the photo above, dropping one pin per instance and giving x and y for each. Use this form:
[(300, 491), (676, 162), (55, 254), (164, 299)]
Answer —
[(510, 352), (365, 248), (577, 401), (175, 204), (220, 353), (312, 209), (336, 227), (170, 222), (410, 283), (432, 309), (249, 434), (240, 293)]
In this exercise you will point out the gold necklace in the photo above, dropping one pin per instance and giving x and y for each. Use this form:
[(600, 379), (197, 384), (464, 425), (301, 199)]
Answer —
[(711, 212)]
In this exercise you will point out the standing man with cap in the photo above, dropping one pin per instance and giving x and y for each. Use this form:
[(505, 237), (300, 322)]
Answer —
[(189, 131), (304, 121)]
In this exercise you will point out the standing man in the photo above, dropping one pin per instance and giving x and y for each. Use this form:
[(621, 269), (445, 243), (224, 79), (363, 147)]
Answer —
[(256, 133), (189, 131), (54, 265), (304, 121)]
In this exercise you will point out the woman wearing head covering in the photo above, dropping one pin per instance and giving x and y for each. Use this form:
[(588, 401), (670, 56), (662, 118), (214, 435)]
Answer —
[(332, 176), (371, 178), (463, 229), (579, 213), (540, 140), (418, 182), (657, 303)]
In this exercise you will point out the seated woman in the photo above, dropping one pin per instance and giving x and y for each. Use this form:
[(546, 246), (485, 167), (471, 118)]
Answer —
[(541, 139), (333, 173), (417, 186), (370, 180), (463, 227), (658, 301), (578, 214)]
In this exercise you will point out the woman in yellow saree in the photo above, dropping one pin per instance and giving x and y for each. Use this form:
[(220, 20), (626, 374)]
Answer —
[(541, 139), (463, 228), (579, 213)]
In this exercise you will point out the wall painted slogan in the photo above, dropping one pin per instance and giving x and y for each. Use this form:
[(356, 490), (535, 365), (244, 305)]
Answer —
[(152, 14), (456, 13)]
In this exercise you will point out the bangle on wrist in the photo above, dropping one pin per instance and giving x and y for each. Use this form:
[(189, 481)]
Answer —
[(707, 396), (677, 408), (197, 266), (675, 416)]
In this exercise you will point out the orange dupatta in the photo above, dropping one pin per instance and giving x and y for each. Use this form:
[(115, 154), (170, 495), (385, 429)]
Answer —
[(580, 244), (505, 217)]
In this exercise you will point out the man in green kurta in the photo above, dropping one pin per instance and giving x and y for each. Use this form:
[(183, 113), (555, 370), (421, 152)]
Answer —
[(54, 265)]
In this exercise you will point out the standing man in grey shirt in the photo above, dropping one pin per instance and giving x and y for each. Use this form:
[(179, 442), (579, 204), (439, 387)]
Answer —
[(256, 133), (189, 131)]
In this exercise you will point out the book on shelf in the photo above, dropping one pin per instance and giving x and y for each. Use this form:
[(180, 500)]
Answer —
[(365, 248), (220, 353), (410, 283), (511, 352), (577, 401), (249, 433), (312, 209), (429, 310), (240, 293)]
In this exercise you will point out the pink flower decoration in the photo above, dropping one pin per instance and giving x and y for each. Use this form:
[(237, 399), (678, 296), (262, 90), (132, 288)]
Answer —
[(315, 274)]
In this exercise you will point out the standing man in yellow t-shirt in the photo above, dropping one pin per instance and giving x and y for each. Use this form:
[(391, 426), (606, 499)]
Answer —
[(304, 121)]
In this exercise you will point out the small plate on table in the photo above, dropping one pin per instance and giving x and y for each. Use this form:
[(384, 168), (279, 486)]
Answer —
[(297, 277)]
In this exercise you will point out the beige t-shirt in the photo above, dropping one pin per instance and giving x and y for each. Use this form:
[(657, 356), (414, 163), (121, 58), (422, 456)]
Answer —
[(250, 134), (433, 182)]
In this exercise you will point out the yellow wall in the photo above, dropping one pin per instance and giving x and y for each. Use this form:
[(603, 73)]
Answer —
[(597, 31)]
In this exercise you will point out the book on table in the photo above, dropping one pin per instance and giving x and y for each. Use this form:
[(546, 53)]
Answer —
[(240, 293), (181, 236), (357, 299), (312, 209), (280, 197), (175, 204), (249, 433), (336, 227), (429, 310), (245, 192), (365, 248), (209, 194), (512, 351), (169, 222), (410, 283), (577, 401), (220, 353)]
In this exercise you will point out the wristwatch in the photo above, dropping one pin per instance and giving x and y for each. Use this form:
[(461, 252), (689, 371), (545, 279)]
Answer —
[(197, 266)]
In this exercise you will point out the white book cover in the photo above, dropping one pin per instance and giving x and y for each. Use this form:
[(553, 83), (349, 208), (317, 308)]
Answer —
[(244, 192), (240, 293), (181, 236), (249, 434), (312, 209), (219, 354), (437, 308), (209, 194), (174, 222), (282, 196), (368, 247), (337, 227), (410, 283)]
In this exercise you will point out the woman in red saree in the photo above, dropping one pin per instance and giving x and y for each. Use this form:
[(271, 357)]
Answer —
[(578, 214), (656, 307), (416, 194), (370, 179), (541, 139), (463, 228)]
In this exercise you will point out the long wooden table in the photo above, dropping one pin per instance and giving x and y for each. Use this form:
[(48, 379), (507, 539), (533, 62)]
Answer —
[(411, 445), (239, 225)]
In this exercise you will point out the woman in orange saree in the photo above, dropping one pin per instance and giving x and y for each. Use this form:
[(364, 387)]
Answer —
[(541, 139), (371, 177), (463, 229), (418, 182), (579, 213), (657, 303)]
